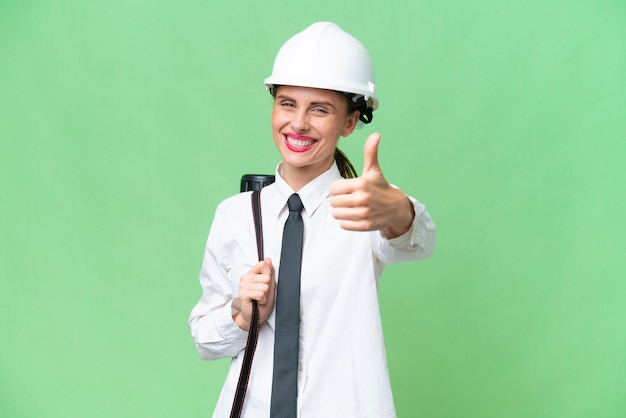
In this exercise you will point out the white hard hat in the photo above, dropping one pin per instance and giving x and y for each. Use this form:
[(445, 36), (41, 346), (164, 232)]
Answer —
[(324, 56)]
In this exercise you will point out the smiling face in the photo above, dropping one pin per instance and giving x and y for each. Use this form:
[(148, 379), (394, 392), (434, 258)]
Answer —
[(307, 124)]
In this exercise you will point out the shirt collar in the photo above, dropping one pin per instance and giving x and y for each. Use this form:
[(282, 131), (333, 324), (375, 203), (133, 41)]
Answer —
[(312, 194)]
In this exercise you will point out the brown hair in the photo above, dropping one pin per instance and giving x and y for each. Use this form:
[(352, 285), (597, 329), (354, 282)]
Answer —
[(346, 169)]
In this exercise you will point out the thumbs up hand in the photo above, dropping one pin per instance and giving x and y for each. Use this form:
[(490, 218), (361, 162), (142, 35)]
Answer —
[(369, 202)]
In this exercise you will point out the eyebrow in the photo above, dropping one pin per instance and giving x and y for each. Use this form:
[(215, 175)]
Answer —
[(316, 103)]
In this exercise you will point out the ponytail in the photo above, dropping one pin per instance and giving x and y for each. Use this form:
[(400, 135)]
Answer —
[(356, 102), (346, 169)]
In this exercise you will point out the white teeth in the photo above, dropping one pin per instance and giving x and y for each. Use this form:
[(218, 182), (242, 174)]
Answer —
[(299, 143)]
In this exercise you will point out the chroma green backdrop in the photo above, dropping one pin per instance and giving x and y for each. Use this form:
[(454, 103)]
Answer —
[(124, 123)]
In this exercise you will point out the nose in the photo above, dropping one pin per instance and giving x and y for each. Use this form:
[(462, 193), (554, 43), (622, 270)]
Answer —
[(300, 122)]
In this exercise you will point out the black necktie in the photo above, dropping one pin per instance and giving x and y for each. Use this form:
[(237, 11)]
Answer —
[(287, 328)]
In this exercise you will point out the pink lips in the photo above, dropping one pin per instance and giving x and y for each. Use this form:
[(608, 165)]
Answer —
[(299, 142)]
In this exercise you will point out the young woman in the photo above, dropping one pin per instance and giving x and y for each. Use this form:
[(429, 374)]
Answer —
[(323, 86)]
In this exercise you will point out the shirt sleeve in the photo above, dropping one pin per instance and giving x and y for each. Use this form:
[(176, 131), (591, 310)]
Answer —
[(417, 243), (211, 323)]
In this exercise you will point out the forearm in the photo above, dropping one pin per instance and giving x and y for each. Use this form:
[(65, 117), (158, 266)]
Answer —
[(211, 322)]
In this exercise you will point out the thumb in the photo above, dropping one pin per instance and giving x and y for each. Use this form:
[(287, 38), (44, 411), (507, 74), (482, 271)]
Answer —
[(370, 154), (269, 268)]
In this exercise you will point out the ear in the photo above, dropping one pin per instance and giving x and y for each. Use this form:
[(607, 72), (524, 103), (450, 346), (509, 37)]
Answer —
[(351, 122)]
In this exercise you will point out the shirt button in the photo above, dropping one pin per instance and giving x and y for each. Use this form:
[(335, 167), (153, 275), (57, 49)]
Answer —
[(300, 367)]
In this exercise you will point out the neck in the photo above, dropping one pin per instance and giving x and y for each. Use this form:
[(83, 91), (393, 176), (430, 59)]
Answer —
[(298, 177)]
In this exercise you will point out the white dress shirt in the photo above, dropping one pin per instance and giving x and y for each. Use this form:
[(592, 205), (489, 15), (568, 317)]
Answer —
[(342, 363)]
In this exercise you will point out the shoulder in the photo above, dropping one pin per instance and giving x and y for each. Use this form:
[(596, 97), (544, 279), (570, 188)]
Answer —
[(233, 217), (234, 206), (236, 201), (239, 206)]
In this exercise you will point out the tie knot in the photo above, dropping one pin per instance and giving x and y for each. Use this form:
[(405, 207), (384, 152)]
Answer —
[(294, 203)]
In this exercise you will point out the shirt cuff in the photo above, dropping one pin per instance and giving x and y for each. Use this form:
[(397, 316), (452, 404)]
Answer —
[(227, 326), (415, 244)]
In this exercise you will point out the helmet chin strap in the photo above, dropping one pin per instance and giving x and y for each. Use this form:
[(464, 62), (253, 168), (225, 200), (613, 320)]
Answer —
[(366, 113)]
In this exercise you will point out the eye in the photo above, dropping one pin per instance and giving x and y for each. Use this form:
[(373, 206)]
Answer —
[(286, 104), (320, 110)]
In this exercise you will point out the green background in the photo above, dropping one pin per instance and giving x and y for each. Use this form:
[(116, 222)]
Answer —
[(124, 123)]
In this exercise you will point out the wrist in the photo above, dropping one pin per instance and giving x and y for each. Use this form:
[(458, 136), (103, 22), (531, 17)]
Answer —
[(235, 309), (405, 221), (241, 322)]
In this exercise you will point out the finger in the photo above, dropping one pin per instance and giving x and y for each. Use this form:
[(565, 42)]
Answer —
[(258, 268), (351, 200), (370, 153), (344, 186), (259, 295), (360, 225), (350, 214), (253, 290)]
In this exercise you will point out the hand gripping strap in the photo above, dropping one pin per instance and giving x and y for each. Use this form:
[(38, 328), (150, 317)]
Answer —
[(253, 334)]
